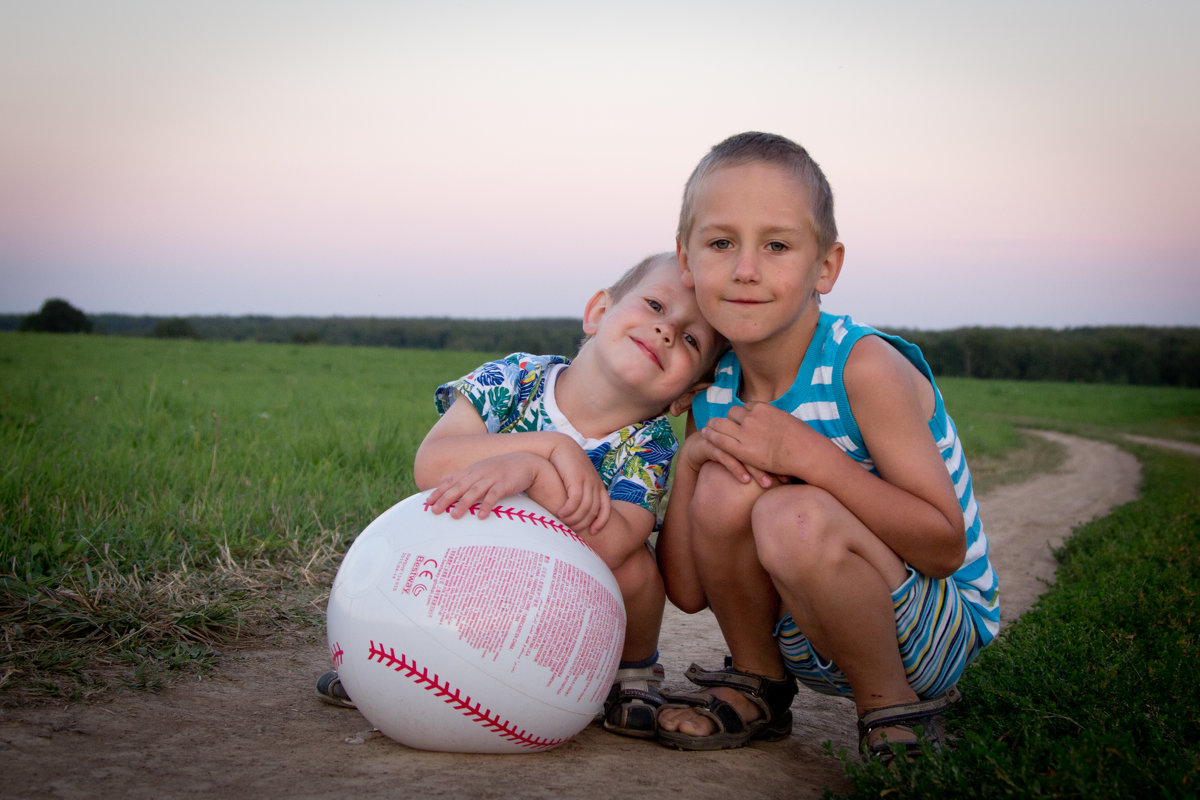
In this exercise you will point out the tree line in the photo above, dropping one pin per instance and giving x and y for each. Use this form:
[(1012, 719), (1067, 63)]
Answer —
[(1147, 356)]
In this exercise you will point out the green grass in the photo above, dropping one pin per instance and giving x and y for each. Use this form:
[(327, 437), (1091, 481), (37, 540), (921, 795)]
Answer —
[(137, 474), (1093, 693), (160, 500), (987, 411)]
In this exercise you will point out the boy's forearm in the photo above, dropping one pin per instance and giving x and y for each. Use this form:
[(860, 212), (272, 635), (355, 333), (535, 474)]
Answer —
[(628, 527), (547, 489), (437, 458), (912, 527)]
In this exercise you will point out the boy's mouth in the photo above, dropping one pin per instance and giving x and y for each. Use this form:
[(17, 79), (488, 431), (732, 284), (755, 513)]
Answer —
[(648, 350)]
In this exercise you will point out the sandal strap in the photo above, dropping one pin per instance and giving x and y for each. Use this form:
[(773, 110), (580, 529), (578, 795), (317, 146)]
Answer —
[(719, 711), (637, 684), (775, 694), (908, 714), (649, 697), (653, 674)]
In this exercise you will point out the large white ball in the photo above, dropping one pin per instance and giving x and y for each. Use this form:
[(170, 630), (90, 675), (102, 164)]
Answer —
[(500, 635)]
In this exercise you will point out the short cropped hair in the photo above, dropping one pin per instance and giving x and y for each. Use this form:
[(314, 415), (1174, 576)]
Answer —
[(634, 275), (767, 148)]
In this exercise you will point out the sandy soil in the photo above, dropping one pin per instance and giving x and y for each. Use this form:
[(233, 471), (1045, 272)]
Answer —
[(255, 729)]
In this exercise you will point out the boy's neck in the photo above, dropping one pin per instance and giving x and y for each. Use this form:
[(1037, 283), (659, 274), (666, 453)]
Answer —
[(594, 406), (769, 367)]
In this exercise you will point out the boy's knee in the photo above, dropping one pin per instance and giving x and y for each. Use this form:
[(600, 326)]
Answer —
[(721, 504), (690, 603), (638, 573), (793, 526)]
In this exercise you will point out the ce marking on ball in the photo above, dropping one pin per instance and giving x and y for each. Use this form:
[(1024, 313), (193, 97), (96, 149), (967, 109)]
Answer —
[(423, 575)]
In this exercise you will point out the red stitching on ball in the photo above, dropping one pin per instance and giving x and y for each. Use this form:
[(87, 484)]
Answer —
[(454, 697), (336, 654), (523, 515)]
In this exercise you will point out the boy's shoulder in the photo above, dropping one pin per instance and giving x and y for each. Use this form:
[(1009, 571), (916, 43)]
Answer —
[(513, 366)]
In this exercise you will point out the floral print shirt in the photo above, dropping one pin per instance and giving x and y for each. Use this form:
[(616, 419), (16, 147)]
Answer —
[(516, 394)]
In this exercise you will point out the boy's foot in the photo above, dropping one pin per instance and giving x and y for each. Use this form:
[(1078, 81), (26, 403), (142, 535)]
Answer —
[(879, 729), (724, 715), (631, 708), (330, 690)]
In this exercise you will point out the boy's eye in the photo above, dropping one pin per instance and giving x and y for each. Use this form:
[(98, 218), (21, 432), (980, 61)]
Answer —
[(692, 341), (722, 244), (777, 247), (654, 304)]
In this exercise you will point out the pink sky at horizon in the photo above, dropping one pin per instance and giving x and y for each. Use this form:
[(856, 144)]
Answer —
[(1021, 165)]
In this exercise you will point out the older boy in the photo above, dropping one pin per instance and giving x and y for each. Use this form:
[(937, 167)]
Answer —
[(588, 439), (823, 510)]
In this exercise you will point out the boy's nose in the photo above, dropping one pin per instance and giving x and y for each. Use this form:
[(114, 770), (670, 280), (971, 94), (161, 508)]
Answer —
[(666, 331), (747, 268)]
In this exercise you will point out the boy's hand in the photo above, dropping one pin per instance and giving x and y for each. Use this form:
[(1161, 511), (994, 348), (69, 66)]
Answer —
[(683, 403), (766, 439), (485, 482), (588, 506), (698, 449)]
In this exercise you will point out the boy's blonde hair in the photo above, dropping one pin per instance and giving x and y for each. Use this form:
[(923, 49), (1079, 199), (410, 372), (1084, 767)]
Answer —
[(768, 148), (634, 275)]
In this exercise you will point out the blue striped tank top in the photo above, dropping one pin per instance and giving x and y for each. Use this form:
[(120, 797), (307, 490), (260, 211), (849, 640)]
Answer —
[(818, 397)]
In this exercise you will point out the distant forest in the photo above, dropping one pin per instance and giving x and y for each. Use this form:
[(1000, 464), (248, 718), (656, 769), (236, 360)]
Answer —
[(1148, 356)]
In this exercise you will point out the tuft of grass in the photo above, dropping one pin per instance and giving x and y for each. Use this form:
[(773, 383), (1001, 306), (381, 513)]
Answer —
[(1093, 693), (83, 633)]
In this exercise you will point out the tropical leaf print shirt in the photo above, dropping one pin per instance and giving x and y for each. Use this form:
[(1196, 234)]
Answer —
[(516, 395)]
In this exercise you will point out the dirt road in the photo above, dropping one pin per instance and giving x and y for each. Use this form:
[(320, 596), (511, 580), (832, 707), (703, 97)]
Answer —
[(254, 729)]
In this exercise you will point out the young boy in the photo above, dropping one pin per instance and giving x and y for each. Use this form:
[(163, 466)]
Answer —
[(587, 439), (823, 510)]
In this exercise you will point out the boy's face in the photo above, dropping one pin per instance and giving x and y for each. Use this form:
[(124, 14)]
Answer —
[(752, 254), (654, 339)]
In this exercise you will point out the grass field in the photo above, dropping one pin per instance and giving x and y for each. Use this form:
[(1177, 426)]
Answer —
[(160, 500)]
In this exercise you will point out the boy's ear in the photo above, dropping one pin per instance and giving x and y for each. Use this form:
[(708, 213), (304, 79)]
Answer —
[(685, 271), (594, 310), (831, 267)]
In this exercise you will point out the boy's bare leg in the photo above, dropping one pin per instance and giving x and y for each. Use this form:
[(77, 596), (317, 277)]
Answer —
[(645, 599), (836, 579), (739, 591)]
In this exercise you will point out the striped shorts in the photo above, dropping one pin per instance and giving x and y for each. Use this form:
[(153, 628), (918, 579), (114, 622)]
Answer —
[(934, 629)]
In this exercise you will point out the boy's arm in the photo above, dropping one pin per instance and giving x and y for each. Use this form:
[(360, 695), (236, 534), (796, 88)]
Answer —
[(628, 527), (917, 512), (911, 505), (563, 479)]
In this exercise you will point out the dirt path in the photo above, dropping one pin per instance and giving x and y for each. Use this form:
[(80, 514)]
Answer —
[(255, 730)]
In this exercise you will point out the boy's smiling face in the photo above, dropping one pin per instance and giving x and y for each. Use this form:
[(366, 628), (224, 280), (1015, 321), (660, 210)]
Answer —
[(752, 255), (654, 338)]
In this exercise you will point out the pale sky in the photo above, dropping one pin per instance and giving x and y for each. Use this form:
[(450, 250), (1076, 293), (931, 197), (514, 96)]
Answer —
[(1025, 163)]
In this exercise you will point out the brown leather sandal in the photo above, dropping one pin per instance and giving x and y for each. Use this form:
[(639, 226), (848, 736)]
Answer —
[(773, 696), (908, 717)]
